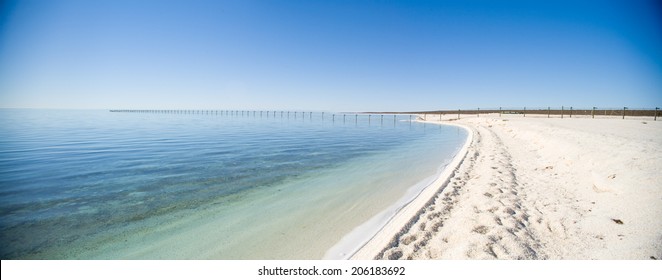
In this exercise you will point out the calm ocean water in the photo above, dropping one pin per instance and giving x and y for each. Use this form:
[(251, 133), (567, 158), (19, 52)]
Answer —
[(102, 185)]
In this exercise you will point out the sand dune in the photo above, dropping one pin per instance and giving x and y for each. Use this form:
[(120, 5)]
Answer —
[(538, 188)]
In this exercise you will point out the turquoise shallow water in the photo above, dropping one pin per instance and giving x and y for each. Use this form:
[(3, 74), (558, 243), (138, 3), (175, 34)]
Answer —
[(96, 184)]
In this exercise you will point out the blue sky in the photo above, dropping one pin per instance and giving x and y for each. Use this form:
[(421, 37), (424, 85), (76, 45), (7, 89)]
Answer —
[(330, 55)]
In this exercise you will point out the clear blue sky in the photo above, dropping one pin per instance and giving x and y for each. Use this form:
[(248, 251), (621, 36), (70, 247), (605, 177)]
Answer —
[(329, 55)]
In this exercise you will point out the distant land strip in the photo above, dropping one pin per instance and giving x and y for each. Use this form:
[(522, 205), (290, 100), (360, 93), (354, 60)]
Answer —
[(567, 111)]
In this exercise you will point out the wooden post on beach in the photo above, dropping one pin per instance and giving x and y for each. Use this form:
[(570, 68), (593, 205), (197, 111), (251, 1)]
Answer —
[(571, 112), (369, 119), (624, 108), (499, 112), (478, 112), (333, 118), (561, 111), (458, 114), (548, 112), (524, 112), (393, 120), (593, 112), (343, 118), (409, 118), (439, 116), (655, 118), (356, 118), (381, 121)]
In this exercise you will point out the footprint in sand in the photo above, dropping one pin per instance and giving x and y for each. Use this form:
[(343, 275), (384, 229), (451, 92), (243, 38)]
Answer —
[(408, 239), (480, 229), (395, 254), (437, 225), (509, 211)]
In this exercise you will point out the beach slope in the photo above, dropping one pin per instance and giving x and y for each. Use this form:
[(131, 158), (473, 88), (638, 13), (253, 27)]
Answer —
[(540, 188)]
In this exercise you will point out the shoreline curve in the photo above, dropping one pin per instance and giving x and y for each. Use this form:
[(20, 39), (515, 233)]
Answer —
[(405, 216)]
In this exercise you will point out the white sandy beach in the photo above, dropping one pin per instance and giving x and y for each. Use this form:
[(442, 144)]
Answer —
[(538, 188)]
